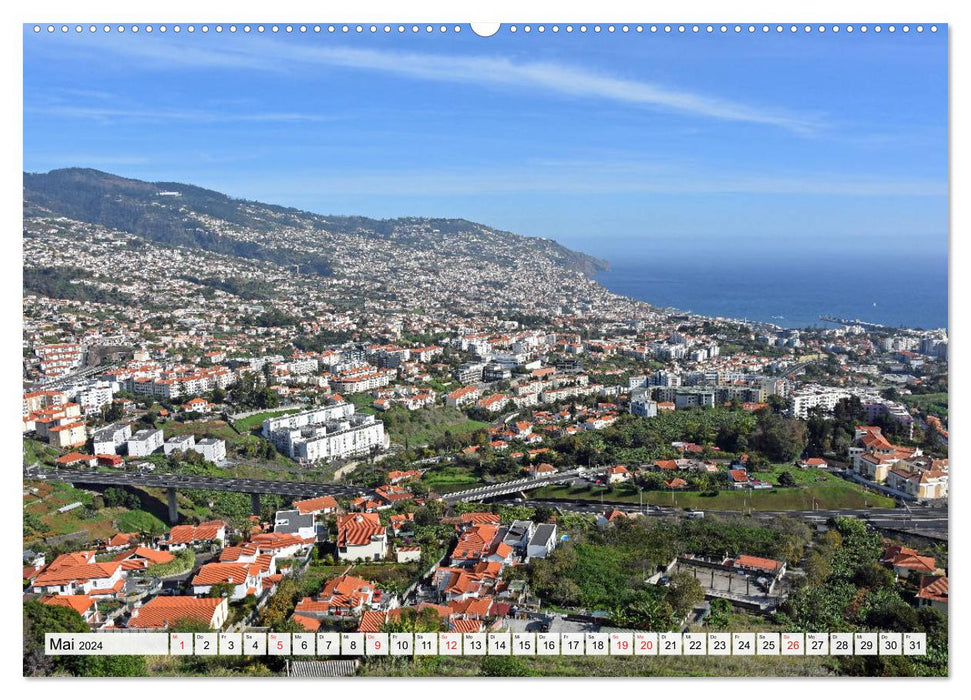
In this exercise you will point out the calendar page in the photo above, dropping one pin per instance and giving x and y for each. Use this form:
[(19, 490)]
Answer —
[(437, 349)]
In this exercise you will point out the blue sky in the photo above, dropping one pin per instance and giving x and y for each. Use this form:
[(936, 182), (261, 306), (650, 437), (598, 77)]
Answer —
[(684, 144)]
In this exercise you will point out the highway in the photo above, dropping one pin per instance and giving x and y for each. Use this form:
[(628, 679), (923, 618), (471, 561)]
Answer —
[(71, 378), (176, 481)]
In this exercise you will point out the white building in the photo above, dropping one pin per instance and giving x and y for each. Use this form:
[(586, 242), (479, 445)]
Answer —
[(110, 438), (641, 404), (801, 402), (94, 395), (213, 449), (330, 432), (542, 542), (293, 522), (145, 442), (182, 443)]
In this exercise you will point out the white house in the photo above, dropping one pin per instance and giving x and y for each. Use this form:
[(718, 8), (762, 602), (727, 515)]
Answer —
[(110, 438), (242, 577), (293, 522), (213, 449), (145, 442), (361, 536), (542, 542), (182, 443)]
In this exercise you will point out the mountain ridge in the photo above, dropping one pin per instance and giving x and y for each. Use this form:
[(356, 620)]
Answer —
[(202, 218)]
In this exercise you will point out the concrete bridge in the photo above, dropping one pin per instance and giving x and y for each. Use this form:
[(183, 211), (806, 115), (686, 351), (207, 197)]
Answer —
[(505, 488), (173, 482)]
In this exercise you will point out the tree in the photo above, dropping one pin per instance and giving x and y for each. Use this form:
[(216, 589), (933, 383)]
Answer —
[(414, 620), (779, 439), (786, 479), (39, 619), (720, 616), (818, 568), (684, 592), (221, 590), (113, 412)]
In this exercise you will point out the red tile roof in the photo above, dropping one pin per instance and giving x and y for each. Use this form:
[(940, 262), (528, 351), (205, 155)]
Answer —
[(79, 603), (357, 529), (933, 588), (210, 574), (308, 623), (203, 532), (313, 505), (371, 621), (748, 562), (165, 611)]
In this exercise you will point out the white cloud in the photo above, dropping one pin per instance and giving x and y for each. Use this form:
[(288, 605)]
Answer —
[(191, 115), (495, 71)]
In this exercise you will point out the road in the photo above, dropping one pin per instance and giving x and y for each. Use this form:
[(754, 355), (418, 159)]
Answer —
[(505, 488), (210, 483), (72, 378)]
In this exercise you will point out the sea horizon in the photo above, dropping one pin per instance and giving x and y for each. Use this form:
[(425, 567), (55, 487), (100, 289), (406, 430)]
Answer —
[(892, 289)]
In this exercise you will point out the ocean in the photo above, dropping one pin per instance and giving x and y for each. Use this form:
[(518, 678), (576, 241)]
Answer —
[(793, 293)]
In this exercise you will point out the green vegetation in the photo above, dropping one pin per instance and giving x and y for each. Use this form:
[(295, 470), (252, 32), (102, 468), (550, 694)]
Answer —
[(602, 666), (449, 478), (141, 521), (606, 569), (389, 575), (933, 404), (244, 425), (431, 425), (66, 283), (40, 619), (241, 287), (184, 560), (847, 590), (832, 494), (36, 451)]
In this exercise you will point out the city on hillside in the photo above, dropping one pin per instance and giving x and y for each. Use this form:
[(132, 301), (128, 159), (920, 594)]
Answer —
[(214, 442)]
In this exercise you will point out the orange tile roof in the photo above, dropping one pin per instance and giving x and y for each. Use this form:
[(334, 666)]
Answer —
[(68, 574), (474, 542), (308, 623), (472, 607), (142, 557), (739, 476), (165, 611), (466, 626), (371, 621), (235, 553), (312, 505), (749, 562), (357, 529), (933, 588), (210, 574), (203, 532), (269, 541), (914, 562), (79, 603), (121, 539)]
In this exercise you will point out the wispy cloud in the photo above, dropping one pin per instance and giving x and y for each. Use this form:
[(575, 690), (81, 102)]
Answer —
[(109, 114), (551, 78)]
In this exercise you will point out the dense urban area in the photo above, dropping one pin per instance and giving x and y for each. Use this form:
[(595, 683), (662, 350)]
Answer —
[(244, 417)]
